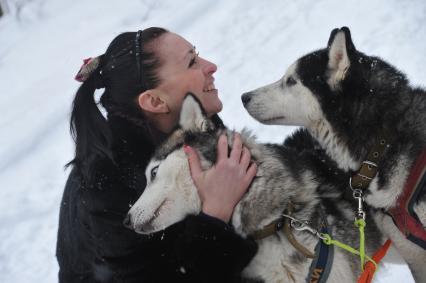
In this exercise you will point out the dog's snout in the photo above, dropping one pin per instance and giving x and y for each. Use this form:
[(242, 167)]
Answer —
[(127, 222), (246, 97)]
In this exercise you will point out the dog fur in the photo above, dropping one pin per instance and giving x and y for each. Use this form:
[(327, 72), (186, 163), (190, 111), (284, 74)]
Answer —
[(298, 171), (344, 98)]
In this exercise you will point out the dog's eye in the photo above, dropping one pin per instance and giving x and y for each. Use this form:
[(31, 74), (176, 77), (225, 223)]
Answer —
[(154, 172), (291, 81)]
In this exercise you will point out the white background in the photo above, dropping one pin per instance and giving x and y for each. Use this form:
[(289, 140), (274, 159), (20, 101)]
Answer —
[(43, 42)]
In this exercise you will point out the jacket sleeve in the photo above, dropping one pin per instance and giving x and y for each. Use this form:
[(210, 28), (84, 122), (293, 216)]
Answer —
[(198, 249), (121, 255), (212, 249)]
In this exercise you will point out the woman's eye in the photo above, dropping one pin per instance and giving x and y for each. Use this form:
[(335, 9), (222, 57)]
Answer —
[(291, 81), (154, 172), (193, 60)]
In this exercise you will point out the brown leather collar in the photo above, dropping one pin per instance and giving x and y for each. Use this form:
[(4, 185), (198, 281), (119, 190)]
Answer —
[(277, 225), (269, 229), (369, 168)]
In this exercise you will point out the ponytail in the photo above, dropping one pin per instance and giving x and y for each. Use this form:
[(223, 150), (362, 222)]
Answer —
[(89, 129), (127, 68)]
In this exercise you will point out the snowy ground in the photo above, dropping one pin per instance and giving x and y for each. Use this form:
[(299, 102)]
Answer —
[(252, 42)]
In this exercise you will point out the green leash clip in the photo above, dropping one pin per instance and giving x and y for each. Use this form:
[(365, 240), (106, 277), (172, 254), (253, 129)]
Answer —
[(360, 223)]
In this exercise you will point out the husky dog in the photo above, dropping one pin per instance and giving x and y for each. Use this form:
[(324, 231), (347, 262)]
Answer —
[(346, 99), (297, 173)]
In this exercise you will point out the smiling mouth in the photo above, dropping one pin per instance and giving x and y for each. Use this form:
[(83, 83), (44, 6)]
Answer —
[(210, 88)]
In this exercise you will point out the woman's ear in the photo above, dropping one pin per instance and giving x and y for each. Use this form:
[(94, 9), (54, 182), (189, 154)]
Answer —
[(151, 101)]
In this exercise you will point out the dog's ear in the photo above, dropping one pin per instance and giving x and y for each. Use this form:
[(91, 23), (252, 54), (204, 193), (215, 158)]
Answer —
[(332, 35), (349, 43), (192, 115), (340, 49)]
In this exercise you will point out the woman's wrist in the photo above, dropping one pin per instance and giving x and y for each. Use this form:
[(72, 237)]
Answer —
[(218, 211)]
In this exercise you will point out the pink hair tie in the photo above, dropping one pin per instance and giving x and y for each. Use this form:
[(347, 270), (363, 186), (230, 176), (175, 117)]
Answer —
[(89, 66)]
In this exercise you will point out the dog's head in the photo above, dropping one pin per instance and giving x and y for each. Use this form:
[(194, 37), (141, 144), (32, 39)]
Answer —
[(170, 193), (327, 83)]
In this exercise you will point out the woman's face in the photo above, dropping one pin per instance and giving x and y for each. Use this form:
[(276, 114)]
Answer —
[(183, 71)]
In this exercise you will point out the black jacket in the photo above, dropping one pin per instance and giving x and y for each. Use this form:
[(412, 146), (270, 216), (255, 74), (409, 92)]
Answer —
[(94, 246)]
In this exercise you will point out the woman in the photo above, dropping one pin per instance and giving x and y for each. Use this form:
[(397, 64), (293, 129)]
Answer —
[(145, 76)]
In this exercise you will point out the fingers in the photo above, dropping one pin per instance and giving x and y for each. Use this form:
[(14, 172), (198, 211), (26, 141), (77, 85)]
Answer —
[(245, 158), (239, 153), (236, 148), (251, 173), (222, 148), (194, 161)]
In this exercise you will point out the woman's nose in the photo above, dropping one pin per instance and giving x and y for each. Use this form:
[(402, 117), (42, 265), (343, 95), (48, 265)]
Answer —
[(209, 68)]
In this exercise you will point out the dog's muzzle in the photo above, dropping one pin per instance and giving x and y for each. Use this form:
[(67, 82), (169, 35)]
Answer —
[(127, 222)]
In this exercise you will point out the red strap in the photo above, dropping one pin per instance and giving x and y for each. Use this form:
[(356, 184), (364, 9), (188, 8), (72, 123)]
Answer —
[(406, 223), (370, 268)]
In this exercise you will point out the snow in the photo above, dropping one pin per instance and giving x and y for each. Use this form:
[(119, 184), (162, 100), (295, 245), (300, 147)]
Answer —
[(43, 42)]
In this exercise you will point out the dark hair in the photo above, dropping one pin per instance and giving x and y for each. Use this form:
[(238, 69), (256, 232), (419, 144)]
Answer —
[(123, 79)]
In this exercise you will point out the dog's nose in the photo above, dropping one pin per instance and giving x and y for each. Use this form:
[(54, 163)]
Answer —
[(245, 98), (127, 222)]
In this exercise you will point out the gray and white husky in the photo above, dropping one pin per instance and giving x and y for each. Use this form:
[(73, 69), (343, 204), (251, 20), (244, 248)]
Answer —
[(345, 98), (298, 172)]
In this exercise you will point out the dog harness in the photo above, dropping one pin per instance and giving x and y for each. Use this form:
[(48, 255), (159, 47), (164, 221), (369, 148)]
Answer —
[(403, 213), (324, 254), (321, 264)]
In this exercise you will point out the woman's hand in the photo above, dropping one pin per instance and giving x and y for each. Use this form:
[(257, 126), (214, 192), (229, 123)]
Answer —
[(222, 186)]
